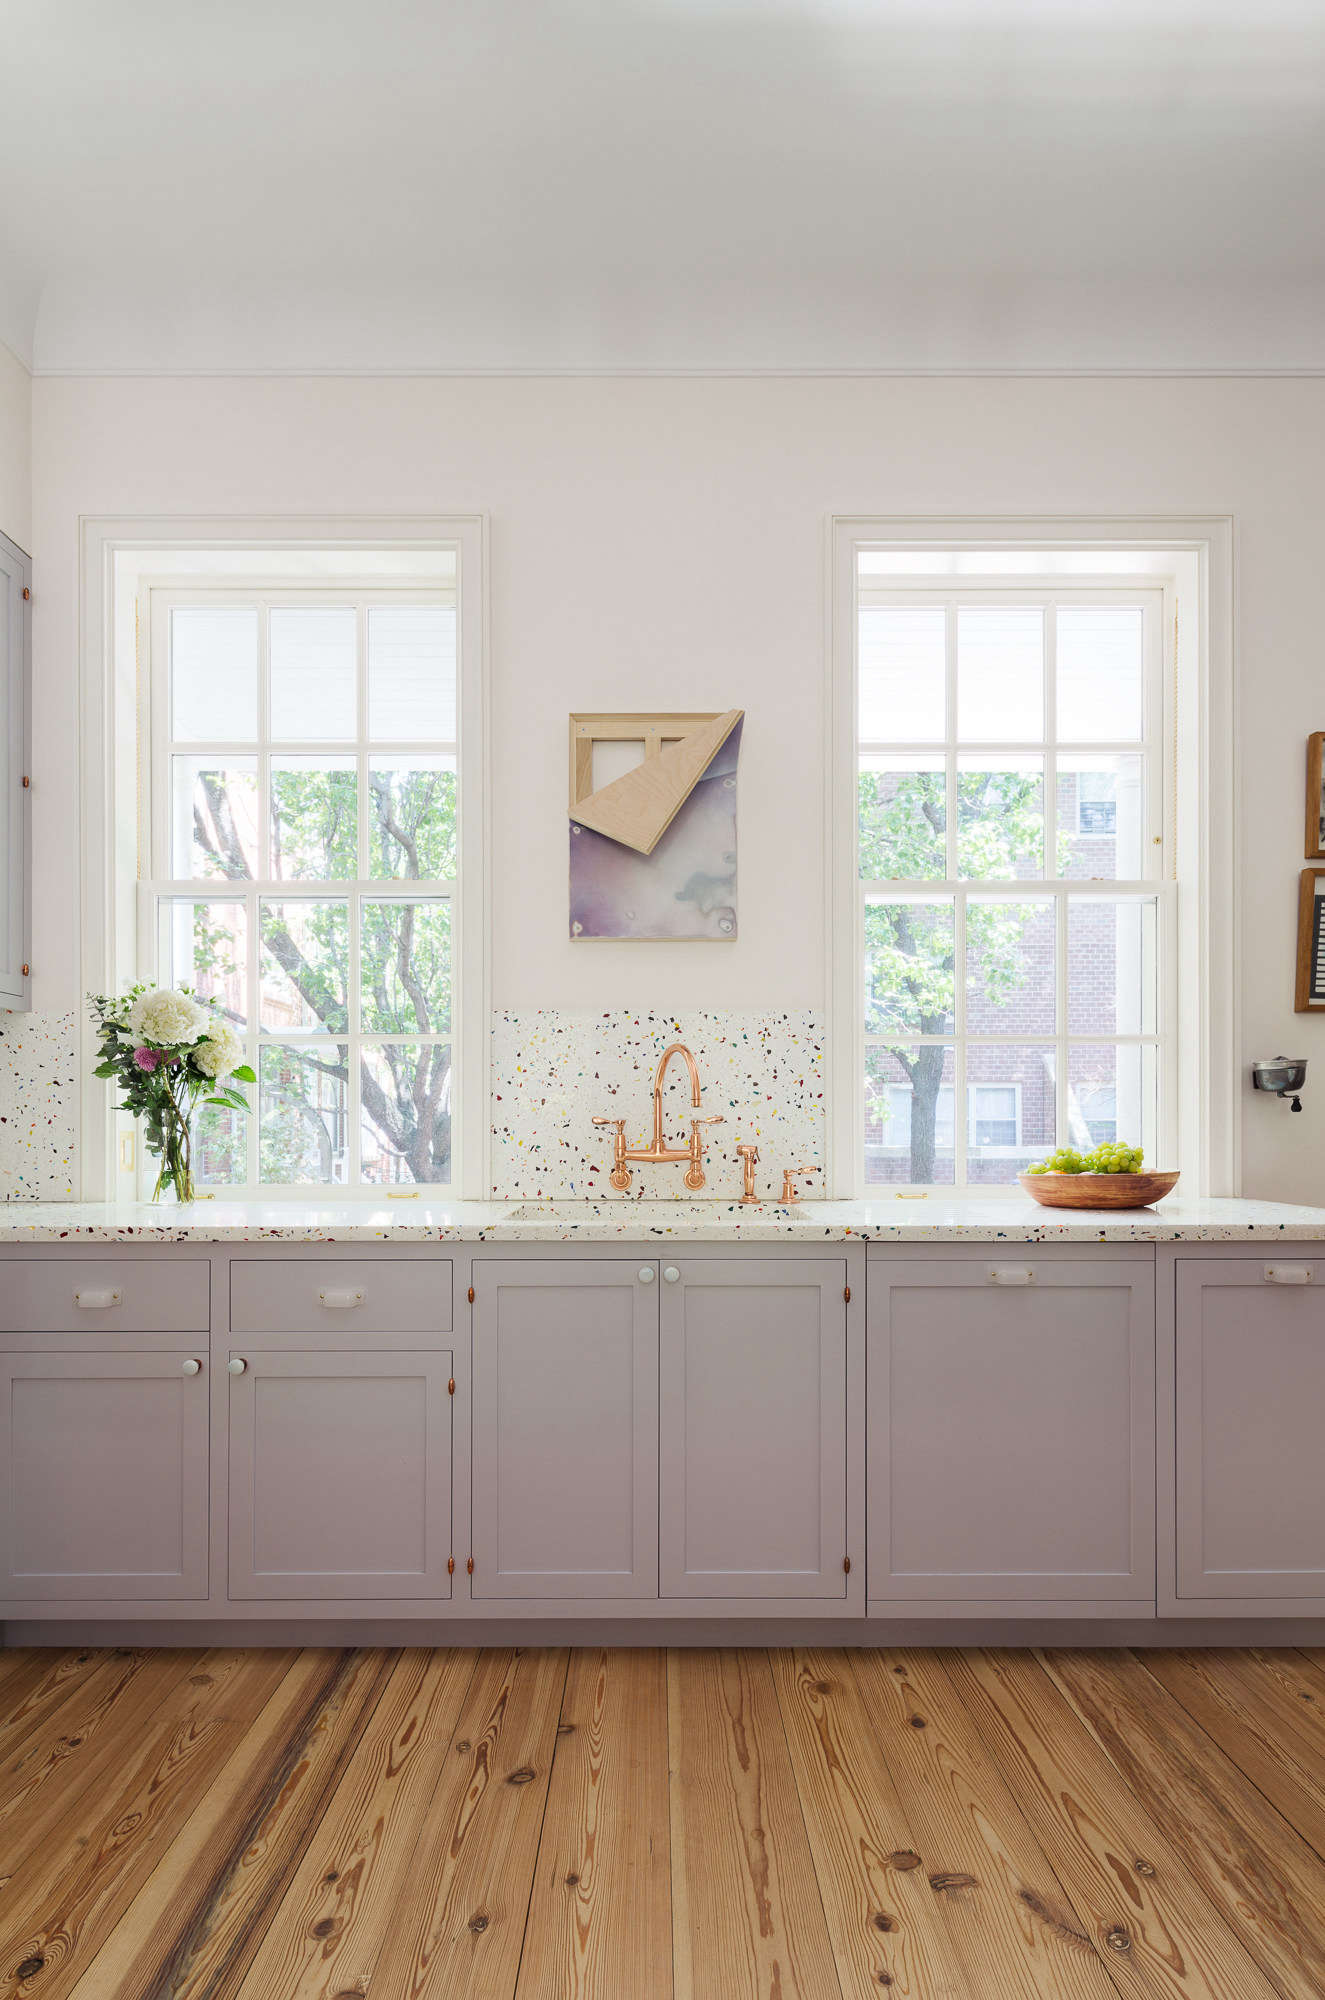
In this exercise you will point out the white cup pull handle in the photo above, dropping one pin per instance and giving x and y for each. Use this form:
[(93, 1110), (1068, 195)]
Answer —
[(1288, 1274), (98, 1300), (341, 1300), (1011, 1274)]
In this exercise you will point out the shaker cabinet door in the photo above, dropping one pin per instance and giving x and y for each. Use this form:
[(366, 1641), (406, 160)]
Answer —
[(1011, 1450), (753, 1429), (1250, 1398), (565, 1450), (340, 1475), (103, 1487)]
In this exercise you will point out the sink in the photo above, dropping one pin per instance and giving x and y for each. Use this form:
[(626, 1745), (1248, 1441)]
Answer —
[(643, 1215)]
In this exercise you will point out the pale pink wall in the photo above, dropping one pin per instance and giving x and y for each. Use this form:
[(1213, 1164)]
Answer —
[(659, 543)]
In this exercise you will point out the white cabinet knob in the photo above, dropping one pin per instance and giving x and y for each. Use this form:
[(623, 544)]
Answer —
[(646, 1274), (236, 1364), (192, 1367), (671, 1274)]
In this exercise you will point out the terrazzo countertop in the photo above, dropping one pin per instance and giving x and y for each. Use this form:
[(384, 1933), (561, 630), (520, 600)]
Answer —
[(931, 1219)]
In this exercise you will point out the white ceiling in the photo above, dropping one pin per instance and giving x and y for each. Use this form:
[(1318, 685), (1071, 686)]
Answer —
[(662, 184)]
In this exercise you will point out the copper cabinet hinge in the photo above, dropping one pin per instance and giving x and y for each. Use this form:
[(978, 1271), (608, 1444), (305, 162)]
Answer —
[(846, 1564), (846, 1293), (470, 1565), (450, 1387), (450, 1565), (471, 1295)]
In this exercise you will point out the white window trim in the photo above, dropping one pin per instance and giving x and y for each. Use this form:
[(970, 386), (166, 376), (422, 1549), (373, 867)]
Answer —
[(117, 555), (1193, 558)]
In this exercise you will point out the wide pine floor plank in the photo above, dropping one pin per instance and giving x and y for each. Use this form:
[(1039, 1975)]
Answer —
[(1248, 1731), (600, 1920), (747, 1920), (883, 1918), (1013, 1929), (192, 1932), (329, 1929), (457, 1929), (241, 1824), (1164, 1940), (34, 1687), (41, 1825), (1266, 1883), (63, 1914)]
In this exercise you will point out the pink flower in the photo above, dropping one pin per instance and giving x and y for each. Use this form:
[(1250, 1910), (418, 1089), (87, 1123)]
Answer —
[(146, 1059)]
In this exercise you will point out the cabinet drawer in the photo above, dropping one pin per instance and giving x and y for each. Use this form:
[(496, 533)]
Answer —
[(316, 1295), (64, 1295)]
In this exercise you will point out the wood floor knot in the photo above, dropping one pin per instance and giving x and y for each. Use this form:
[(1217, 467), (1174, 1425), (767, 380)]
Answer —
[(478, 1922), (1118, 1939), (952, 1880), (883, 1922), (904, 1858), (29, 1968), (524, 1776)]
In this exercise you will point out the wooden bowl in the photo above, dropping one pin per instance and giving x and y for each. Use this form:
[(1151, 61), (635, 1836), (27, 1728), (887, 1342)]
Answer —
[(1097, 1190)]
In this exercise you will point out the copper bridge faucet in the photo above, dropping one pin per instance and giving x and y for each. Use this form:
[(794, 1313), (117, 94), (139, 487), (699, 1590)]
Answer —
[(659, 1150)]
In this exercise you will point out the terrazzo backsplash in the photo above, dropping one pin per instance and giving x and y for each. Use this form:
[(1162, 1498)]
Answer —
[(553, 1072), (38, 1106)]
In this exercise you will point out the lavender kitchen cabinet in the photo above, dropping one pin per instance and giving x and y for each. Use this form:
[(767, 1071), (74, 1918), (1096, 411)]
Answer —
[(1011, 1428), (340, 1474), (753, 1428), (1250, 1409), (103, 1492), (565, 1429)]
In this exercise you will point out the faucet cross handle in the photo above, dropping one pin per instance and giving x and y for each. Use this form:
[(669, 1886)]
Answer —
[(694, 1173), (790, 1175)]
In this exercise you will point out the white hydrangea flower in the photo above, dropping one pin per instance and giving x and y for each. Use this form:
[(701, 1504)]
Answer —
[(220, 1053), (167, 1018)]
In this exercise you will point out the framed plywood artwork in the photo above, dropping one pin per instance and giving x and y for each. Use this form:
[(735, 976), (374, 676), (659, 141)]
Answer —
[(653, 826), (1315, 847), (1310, 994)]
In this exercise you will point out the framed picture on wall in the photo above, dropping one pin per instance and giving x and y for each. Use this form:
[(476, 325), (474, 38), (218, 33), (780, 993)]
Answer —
[(1315, 848), (1310, 995)]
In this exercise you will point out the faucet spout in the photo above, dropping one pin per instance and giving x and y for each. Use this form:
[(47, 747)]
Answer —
[(676, 1049)]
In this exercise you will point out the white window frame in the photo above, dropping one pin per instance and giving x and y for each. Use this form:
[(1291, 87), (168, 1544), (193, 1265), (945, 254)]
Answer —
[(123, 560), (1191, 560)]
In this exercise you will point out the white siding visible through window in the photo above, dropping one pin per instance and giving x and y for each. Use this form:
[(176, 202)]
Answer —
[(303, 859)]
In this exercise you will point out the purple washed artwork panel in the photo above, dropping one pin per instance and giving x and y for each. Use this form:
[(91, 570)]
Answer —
[(685, 889)]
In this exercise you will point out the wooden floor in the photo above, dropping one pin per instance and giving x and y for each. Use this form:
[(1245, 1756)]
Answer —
[(653, 1826)]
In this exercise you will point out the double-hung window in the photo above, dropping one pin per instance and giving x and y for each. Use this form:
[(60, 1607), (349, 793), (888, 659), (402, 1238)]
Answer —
[(1015, 925), (301, 824)]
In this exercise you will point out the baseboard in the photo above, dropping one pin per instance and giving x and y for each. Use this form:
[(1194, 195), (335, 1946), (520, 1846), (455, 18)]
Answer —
[(1012, 1633)]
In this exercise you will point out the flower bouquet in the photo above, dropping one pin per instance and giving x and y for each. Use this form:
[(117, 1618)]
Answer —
[(168, 1050)]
